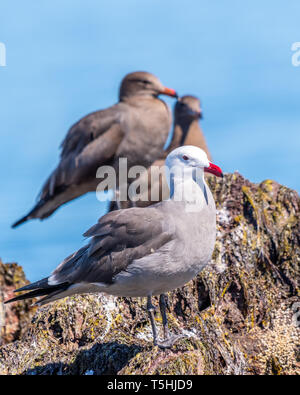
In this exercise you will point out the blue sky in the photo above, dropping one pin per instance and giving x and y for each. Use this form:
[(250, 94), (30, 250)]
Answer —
[(66, 59)]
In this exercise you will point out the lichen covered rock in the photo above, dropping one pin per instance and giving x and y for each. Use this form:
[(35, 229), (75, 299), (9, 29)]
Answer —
[(239, 316), (13, 318)]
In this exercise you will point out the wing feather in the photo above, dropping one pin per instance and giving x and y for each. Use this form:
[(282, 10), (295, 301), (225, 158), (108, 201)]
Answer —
[(89, 144), (116, 240)]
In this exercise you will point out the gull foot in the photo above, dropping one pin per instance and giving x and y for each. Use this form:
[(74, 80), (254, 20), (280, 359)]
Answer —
[(169, 342)]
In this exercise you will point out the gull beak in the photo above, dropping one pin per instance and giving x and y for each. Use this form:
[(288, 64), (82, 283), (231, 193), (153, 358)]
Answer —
[(214, 169), (169, 92), (197, 114)]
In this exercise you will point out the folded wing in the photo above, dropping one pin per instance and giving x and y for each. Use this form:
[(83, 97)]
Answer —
[(90, 143), (116, 241)]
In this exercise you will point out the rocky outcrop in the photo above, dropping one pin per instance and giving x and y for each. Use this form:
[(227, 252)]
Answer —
[(13, 318), (241, 315)]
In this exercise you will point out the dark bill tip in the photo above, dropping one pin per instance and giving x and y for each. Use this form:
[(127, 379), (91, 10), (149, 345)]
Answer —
[(214, 169), (169, 92)]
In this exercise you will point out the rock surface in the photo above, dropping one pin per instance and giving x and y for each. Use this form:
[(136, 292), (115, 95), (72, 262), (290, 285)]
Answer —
[(241, 315), (13, 318)]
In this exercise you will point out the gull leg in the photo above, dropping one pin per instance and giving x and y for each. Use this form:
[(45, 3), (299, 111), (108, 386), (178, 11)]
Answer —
[(162, 306), (151, 309), (169, 339)]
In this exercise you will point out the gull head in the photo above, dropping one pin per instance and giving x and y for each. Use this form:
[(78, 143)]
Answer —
[(188, 108), (141, 83), (187, 158)]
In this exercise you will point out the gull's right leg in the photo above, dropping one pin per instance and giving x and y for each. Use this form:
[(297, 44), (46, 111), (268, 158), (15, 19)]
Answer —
[(151, 309), (162, 306), (168, 340)]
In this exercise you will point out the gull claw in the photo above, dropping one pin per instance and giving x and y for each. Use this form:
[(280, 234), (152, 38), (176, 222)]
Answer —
[(169, 342)]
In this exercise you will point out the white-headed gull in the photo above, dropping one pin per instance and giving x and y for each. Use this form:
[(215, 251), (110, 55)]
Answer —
[(140, 252)]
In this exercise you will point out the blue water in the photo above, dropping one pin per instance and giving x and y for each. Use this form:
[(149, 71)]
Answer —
[(65, 59)]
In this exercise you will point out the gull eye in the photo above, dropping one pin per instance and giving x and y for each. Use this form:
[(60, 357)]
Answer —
[(185, 157)]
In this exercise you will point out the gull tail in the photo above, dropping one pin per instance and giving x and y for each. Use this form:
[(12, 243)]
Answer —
[(21, 221), (40, 288), (50, 203), (30, 215)]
